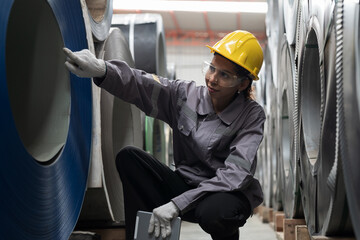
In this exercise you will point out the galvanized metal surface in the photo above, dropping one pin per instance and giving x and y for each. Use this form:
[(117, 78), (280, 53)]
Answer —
[(348, 101), (320, 111), (288, 132)]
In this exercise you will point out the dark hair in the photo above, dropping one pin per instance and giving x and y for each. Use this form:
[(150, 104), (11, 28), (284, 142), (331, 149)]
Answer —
[(248, 92)]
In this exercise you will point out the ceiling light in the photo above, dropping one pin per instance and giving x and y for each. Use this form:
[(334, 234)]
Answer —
[(190, 6)]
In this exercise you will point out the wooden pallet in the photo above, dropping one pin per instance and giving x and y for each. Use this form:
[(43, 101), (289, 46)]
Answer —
[(289, 229)]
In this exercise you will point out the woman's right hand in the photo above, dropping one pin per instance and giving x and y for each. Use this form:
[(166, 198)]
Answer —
[(84, 64)]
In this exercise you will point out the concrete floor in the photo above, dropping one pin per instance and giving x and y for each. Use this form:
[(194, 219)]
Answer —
[(254, 229)]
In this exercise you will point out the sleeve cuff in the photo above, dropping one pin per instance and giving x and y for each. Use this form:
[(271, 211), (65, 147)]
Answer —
[(181, 203), (99, 80)]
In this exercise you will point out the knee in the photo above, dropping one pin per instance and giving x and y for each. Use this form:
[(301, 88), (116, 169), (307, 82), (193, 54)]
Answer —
[(221, 220), (124, 157), (211, 222), (219, 226)]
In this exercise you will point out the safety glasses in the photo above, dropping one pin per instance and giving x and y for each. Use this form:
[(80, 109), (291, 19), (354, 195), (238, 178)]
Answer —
[(223, 78)]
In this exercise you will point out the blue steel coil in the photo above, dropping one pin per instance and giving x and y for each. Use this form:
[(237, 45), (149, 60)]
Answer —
[(42, 199)]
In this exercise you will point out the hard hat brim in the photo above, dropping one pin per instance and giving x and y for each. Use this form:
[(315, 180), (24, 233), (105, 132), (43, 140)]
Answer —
[(253, 75)]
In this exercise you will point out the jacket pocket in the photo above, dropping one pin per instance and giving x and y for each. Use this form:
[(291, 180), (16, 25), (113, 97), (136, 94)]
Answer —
[(185, 125)]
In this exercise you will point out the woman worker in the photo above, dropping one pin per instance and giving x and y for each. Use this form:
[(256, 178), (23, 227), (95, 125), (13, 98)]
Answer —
[(217, 130)]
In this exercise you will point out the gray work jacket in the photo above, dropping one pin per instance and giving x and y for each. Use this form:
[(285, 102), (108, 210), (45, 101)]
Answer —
[(212, 152)]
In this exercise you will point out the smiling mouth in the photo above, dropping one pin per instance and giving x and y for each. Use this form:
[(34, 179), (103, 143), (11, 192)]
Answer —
[(212, 90)]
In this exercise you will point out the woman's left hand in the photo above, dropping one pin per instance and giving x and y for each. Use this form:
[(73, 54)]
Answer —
[(161, 218)]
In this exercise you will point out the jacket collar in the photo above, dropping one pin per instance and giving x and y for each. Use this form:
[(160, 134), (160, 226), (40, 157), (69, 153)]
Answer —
[(228, 115), (232, 111)]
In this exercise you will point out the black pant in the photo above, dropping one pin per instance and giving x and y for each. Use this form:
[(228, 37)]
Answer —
[(147, 184)]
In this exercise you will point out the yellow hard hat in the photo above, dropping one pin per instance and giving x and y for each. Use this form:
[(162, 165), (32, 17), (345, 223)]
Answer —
[(242, 48)]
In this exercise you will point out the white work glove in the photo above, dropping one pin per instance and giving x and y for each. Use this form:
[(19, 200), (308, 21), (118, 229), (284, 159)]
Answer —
[(161, 218), (84, 63)]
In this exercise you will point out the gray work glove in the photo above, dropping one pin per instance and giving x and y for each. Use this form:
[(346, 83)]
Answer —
[(84, 64), (161, 218)]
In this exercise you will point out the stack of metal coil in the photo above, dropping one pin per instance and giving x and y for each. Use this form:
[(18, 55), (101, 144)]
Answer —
[(311, 96)]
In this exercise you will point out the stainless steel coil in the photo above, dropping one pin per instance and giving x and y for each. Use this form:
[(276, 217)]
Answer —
[(288, 132), (315, 141), (100, 13), (265, 160), (331, 197), (303, 17), (324, 12), (290, 11), (275, 26), (145, 34), (311, 103), (120, 126), (261, 97), (146, 37), (261, 155), (271, 180), (269, 82), (320, 173), (275, 176), (267, 163), (171, 71), (348, 101)]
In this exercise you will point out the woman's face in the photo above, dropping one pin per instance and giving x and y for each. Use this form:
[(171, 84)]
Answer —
[(217, 92)]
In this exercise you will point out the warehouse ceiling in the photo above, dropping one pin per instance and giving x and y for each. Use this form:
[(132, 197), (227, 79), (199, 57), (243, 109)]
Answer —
[(194, 27)]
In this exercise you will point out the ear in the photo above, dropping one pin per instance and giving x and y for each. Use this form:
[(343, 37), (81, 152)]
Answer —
[(244, 84)]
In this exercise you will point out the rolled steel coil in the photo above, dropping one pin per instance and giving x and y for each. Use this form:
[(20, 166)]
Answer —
[(261, 160), (146, 38), (266, 164), (260, 97), (290, 19), (270, 180), (272, 154), (348, 101), (171, 71), (311, 105), (46, 119), (288, 132), (120, 126), (100, 13), (260, 86), (303, 17), (275, 24), (324, 12), (261, 155), (268, 78), (301, 33), (264, 173), (331, 197), (322, 189)]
